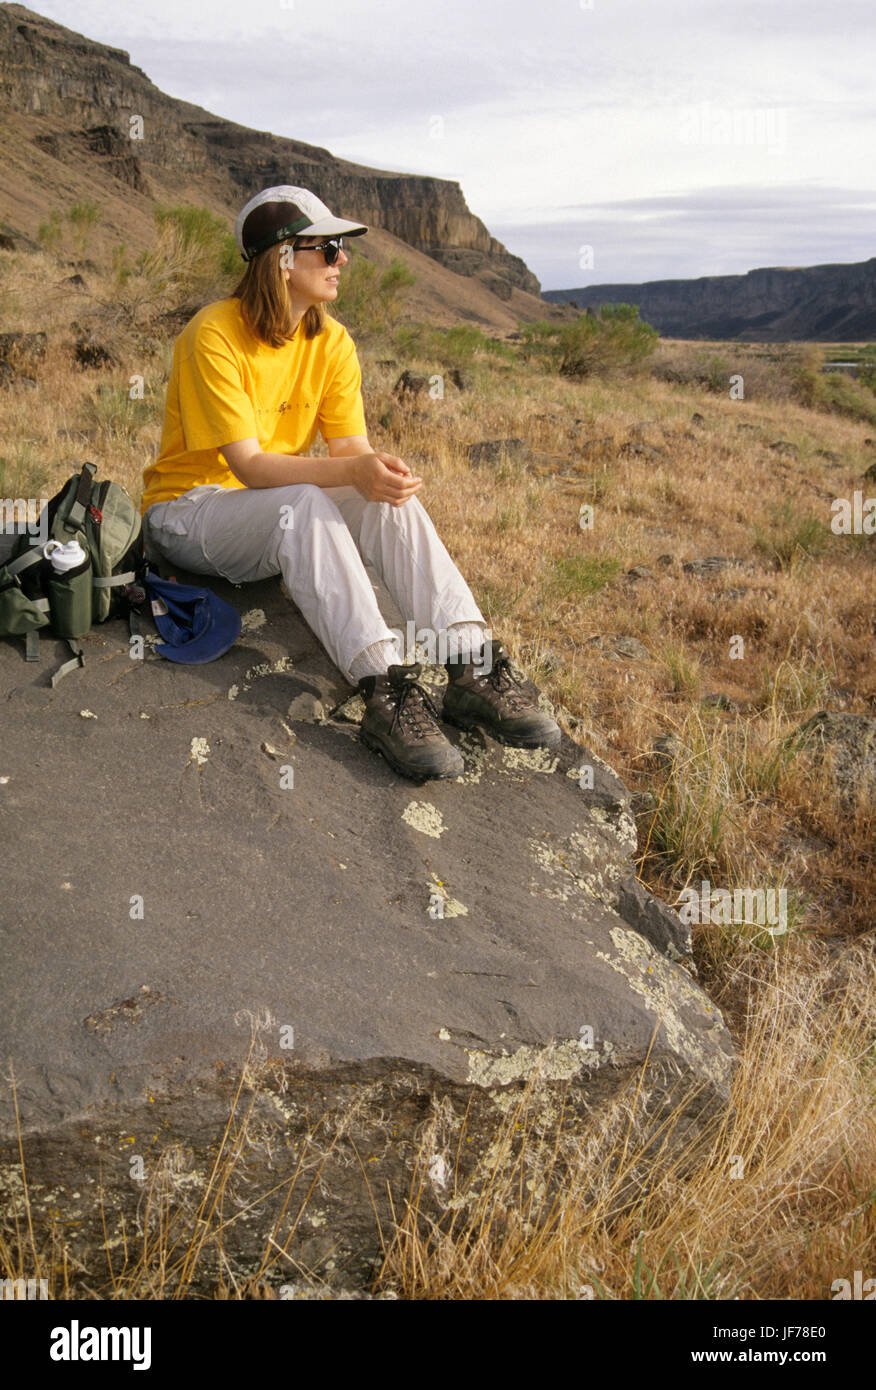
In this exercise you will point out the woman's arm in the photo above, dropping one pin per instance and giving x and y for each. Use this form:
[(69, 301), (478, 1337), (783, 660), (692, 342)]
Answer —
[(352, 462)]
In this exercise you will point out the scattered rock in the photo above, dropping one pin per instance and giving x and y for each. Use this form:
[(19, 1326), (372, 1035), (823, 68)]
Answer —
[(22, 349), (494, 450), (637, 448), (698, 419), (307, 708), (731, 594), (621, 645), (88, 353), (847, 744), (461, 380), (710, 564), (748, 429), (666, 560), (828, 454), (75, 282), (870, 473), (719, 700), (639, 572), (784, 446), (410, 383), (666, 750), (592, 448), (387, 362)]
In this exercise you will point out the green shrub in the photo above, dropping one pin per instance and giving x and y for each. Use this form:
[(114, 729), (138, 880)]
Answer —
[(867, 367), (83, 218), (612, 338), (834, 392), (791, 537), (575, 575), (51, 233), (369, 301)]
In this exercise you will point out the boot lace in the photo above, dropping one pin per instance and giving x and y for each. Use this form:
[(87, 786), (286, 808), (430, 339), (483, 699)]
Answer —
[(414, 709), (501, 679)]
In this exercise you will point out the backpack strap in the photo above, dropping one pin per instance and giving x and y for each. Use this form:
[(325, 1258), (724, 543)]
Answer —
[(26, 558), (75, 518), (107, 581), (68, 666)]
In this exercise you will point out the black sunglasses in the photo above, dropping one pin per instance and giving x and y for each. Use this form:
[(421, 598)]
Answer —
[(330, 249)]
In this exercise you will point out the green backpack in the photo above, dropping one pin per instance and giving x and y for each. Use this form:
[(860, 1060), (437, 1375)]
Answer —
[(110, 581)]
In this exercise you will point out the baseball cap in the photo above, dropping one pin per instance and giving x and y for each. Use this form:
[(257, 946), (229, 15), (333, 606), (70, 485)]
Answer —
[(279, 213), (195, 623)]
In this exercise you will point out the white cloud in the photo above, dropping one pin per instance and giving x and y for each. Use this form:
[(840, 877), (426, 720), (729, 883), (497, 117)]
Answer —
[(549, 108)]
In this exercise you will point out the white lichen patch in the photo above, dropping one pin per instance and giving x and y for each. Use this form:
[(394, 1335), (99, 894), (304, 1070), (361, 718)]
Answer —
[(528, 760), (351, 711), (200, 751), (270, 668), (87, 714), (621, 824), (307, 708), (665, 990), (555, 1062), (233, 692), (565, 864), (452, 907), (423, 816), (444, 1034), (253, 620), (475, 755)]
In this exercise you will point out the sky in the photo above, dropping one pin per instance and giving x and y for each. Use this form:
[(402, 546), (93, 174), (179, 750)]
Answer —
[(603, 141)]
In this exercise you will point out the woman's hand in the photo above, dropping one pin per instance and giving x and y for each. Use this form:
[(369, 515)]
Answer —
[(384, 478)]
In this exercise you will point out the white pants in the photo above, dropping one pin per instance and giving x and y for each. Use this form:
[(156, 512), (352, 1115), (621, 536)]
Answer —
[(317, 539)]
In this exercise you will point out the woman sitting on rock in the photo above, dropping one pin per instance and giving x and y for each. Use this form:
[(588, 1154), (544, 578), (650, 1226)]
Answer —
[(236, 493)]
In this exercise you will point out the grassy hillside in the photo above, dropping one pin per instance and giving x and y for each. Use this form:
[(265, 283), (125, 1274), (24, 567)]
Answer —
[(734, 658)]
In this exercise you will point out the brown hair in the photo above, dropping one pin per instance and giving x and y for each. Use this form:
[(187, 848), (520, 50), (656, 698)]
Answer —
[(264, 301)]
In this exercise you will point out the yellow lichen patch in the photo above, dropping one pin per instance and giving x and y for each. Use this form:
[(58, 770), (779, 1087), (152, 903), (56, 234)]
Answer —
[(529, 760), (666, 990), (475, 755), (253, 620), (423, 816), (563, 862), (452, 908), (556, 1062)]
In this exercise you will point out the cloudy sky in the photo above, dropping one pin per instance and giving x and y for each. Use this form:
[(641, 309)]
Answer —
[(601, 140)]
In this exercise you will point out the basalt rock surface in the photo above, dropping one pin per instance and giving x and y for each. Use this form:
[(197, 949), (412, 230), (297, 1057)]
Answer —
[(203, 858)]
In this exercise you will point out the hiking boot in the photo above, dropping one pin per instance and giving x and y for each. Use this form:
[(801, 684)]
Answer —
[(401, 722), (486, 693)]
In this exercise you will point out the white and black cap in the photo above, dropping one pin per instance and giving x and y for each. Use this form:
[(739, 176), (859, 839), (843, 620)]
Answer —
[(276, 214)]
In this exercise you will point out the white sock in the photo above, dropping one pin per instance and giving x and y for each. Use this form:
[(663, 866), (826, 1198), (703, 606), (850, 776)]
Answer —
[(464, 640), (376, 659)]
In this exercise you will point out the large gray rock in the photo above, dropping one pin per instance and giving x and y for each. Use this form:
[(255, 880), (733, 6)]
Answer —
[(190, 849)]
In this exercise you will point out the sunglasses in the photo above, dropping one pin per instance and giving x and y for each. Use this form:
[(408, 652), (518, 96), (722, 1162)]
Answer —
[(330, 249)]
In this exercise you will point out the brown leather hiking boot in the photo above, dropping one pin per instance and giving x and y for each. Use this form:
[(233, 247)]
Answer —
[(401, 722), (486, 693)]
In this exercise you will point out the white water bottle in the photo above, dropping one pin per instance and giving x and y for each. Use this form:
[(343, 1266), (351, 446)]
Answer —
[(64, 557)]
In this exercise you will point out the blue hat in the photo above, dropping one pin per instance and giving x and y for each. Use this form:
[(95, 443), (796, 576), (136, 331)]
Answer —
[(196, 625)]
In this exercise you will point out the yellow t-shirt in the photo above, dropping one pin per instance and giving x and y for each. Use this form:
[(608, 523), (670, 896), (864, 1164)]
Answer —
[(226, 385)]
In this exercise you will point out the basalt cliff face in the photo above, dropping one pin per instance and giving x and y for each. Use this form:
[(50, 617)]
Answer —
[(827, 303), (69, 107)]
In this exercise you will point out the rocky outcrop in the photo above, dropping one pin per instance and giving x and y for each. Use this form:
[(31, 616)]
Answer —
[(215, 850), (830, 303), (83, 99)]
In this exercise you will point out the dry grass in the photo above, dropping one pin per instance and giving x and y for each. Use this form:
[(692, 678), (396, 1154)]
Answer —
[(783, 633)]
